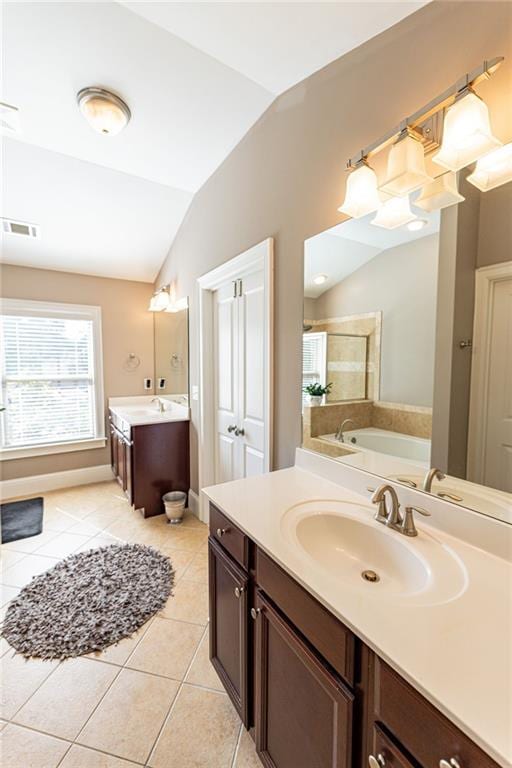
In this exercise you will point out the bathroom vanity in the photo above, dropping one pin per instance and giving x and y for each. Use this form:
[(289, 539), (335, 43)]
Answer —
[(329, 670), (149, 449)]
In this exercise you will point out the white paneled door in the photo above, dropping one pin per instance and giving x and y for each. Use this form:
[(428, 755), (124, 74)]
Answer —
[(240, 363)]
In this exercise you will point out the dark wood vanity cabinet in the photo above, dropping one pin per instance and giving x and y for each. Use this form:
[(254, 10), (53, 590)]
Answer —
[(149, 460), (312, 694)]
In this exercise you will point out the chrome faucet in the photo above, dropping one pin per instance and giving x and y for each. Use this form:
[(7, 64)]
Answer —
[(432, 474), (160, 402), (339, 433), (392, 517)]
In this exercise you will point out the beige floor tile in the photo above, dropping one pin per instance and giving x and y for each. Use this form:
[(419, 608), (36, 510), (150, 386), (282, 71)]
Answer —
[(167, 648), (31, 543), (31, 565), (9, 558), (180, 560), (84, 528), (130, 716), (20, 678), (198, 568), (246, 756), (62, 545), (21, 748), (101, 540), (83, 757), (7, 594), (202, 672), (201, 731), (64, 702), (120, 653), (55, 520), (189, 602), (190, 539)]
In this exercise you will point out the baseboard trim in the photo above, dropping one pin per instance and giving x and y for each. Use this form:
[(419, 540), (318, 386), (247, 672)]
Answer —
[(193, 503), (25, 486)]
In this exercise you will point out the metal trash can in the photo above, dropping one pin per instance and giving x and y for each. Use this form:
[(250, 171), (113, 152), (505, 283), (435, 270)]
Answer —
[(174, 503)]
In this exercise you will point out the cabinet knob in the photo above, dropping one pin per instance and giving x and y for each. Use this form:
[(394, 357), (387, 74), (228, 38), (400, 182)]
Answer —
[(221, 531), (232, 428), (255, 612), (451, 763), (376, 762), (239, 591)]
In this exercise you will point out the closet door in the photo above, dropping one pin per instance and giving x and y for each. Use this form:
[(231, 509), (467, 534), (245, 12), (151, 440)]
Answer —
[(225, 319)]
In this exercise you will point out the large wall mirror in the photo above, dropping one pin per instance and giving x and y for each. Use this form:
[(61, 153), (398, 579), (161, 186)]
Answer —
[(410, 331), (171, 355)]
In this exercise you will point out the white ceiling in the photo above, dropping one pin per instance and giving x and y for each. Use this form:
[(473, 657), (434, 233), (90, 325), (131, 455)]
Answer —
[(196, 77)]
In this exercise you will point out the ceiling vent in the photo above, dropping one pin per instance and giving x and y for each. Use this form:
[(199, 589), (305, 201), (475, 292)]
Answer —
[(22, 228)]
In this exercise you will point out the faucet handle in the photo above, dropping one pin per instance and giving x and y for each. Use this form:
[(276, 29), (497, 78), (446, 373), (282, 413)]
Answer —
[(407, 526), (421, 510)]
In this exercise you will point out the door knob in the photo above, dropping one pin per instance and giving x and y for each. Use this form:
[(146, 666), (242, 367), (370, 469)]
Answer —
[(239, 431), (376, 762), (239, 591), (232, 428), (255, 612)]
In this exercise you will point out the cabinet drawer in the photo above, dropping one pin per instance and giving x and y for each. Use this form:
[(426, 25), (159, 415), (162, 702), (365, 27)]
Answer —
[(326, 634), (424, 732), (386, 753), (229, 536)]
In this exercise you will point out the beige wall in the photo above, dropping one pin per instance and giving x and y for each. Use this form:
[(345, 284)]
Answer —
[(286, 177), (127, 326)]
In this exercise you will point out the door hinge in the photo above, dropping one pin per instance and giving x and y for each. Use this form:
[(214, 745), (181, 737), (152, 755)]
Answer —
[(235, 288), (239, 288)]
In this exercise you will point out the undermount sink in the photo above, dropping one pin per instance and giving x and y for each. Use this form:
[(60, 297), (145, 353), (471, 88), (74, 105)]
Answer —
[(343, 540)]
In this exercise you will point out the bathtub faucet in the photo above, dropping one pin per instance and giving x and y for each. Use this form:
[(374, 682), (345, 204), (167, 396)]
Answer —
[(339, 433)]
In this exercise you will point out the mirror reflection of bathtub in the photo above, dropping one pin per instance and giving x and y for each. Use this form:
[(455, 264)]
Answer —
[(406, 447)]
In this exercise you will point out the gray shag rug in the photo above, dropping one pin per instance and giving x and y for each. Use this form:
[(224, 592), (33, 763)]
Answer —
[(88, 601)]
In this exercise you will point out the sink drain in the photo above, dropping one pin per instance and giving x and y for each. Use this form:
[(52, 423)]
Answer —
[(370, 576)]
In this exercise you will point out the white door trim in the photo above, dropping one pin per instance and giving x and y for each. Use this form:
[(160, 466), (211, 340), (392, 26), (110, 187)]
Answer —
[(260, 256), (485, 282)]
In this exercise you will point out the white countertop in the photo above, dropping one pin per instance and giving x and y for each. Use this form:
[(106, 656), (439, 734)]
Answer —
[(457, 654), (136, 411)]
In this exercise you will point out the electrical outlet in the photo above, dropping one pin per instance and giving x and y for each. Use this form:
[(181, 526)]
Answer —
[(161, 383), (148, 384), (195, 392)]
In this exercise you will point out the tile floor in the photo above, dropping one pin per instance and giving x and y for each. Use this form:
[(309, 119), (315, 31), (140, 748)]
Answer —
[(152, 700)]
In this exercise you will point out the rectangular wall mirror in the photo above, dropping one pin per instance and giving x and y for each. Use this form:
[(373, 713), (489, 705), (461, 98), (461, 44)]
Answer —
[(412, 329), (171, 354)]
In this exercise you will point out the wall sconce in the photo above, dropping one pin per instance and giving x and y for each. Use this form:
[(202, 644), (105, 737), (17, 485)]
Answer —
[(406, 166), (160, 300), (493, 170), (394, 213), (361, 196), (467, 134), (440, 193)]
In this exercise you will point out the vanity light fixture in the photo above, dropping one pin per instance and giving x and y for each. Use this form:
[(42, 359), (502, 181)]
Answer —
[(105, 112), (416, 225), (160, 300), (320, 279), (493, 170), (394, 213), (467, 134), (406, 165), (361, 195), (440, 193)]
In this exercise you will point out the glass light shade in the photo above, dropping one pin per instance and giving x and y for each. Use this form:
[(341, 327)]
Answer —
[(361, 196), (493, 170), (159, 301), (394, 213), (467, 133), (105, 112), (406, 168), (440, 193)]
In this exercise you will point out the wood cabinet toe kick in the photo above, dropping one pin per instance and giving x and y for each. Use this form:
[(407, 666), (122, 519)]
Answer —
[(309, 691)]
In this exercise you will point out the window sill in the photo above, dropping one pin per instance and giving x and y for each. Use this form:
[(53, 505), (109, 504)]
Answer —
[(8, 454)]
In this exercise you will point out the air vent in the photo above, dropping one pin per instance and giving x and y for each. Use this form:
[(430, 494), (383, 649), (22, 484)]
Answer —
[(9, 118), (22, 228)]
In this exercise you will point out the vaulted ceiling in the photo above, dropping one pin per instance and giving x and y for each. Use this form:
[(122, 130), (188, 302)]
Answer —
[(196, 77)]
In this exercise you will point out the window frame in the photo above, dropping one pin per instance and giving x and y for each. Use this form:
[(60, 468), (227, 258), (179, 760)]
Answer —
[(30, 308)]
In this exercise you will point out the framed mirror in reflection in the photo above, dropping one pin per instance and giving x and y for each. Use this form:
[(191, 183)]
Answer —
[(171, 355), (412, 328)]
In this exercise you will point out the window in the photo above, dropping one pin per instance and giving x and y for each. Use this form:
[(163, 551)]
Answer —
[(51, 377), (314, 355)]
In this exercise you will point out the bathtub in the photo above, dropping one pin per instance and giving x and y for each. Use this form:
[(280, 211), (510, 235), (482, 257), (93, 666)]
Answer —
[(396, 444)]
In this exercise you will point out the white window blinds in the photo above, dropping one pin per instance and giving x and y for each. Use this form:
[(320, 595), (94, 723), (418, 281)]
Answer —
[(314, 347), (48, 378)]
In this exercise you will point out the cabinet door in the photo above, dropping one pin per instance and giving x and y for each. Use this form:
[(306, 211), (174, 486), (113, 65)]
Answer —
[(228, 626), (113, 451), (121, 462), (303, 711), (386, 753)]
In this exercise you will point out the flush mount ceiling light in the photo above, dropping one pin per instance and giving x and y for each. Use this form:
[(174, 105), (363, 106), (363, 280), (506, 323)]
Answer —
[(361, 196), (406, 166), (416, 225), (493, 170), (105, 112), (441, 193), (467, 134), (320, 279), (394, 213)]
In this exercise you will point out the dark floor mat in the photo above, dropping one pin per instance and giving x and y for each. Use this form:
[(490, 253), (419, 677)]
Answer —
[(21, 519)]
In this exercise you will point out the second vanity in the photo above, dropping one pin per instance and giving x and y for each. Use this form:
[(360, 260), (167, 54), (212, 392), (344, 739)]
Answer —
[(331, 670)]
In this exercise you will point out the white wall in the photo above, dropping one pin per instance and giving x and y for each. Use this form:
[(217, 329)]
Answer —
[(401, 282)]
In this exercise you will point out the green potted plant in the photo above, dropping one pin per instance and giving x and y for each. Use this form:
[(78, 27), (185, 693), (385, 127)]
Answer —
[(317, 392)]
